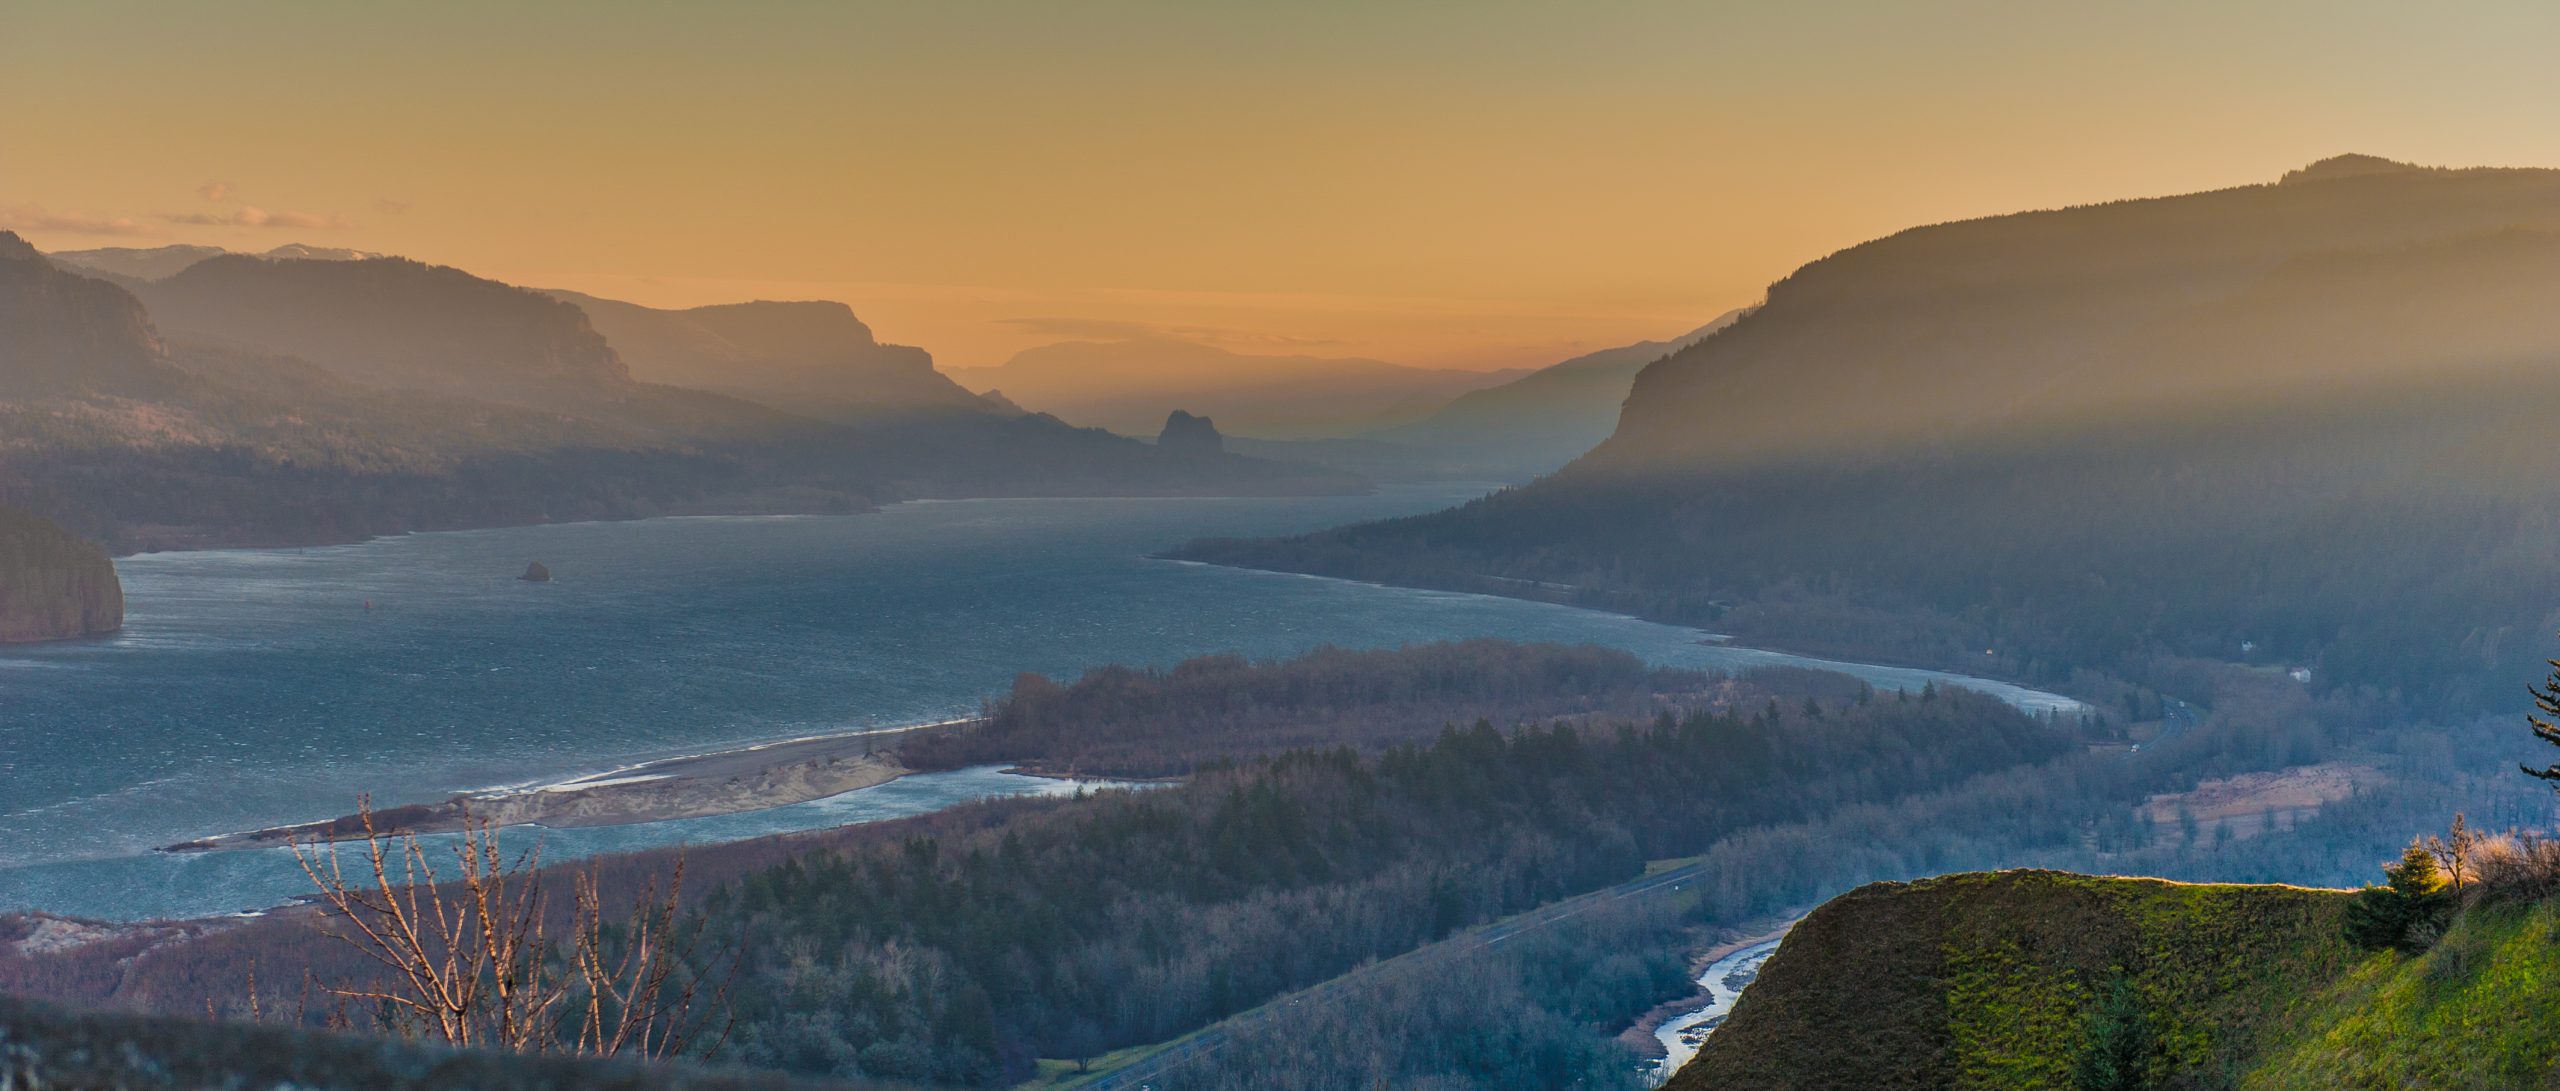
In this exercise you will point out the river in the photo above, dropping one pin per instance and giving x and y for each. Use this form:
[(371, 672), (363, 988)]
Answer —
[(254, 688), (1723, 982)]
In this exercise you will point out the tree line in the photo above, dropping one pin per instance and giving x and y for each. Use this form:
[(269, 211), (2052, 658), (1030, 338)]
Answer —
[(959, 950)]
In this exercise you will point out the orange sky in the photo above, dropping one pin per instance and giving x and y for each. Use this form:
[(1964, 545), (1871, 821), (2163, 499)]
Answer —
[(1470, 185)]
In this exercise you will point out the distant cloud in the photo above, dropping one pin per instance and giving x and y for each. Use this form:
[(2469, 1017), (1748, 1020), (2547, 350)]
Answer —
[(1083, 327), (253, 216), (1110, 329), (72, 222), (389, 207), (216, 192)]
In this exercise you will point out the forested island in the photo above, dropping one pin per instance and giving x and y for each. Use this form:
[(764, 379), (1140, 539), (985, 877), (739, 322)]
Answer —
[(53, 586)]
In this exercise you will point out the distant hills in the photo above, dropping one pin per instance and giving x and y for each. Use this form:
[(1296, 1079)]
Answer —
[(1512, 432), (2297, 423), (158, 262), (255, 399), (1542, 420), (1129, 385), (63, 334), (389, 322), (810, 357)]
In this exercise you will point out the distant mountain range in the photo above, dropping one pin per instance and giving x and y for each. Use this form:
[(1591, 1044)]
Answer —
[(1514, 432), (291, 397), (155, 263), (2302, 422), (1556, 412), (1129, 386)]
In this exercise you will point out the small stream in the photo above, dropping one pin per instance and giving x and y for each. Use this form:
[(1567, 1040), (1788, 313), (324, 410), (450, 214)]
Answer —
[(1723, 981)]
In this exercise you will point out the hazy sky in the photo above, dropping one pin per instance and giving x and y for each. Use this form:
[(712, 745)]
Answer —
[(1457, 184)]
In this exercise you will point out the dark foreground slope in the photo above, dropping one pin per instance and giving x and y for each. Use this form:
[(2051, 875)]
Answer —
[(44, 1049), (2026, 980), (53, 586), (2298, 421)]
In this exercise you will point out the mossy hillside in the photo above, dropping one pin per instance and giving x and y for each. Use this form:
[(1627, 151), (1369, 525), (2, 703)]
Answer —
[(2477, 1010), (1998, 981)]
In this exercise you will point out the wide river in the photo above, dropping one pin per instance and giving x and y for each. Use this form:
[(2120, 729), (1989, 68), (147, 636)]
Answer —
[(252, 688)]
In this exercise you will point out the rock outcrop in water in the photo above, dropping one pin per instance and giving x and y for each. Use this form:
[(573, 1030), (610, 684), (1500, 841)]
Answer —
[(1190, 435), (53, 586), (536, 573)]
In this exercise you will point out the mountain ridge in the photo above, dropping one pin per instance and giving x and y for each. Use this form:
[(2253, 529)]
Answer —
[(2076, 438)]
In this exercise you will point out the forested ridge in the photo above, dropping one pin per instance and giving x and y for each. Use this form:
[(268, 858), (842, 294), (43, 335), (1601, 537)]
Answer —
[(1136, 916)]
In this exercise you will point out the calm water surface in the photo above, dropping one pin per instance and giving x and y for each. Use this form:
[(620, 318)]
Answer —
[(252, 688)]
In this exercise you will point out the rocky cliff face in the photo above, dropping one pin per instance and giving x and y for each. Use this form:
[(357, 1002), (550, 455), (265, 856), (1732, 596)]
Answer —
[(53, 586), (811, 357)]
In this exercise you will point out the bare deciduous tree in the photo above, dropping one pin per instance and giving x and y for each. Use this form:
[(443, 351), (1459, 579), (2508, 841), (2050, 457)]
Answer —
[(468, 957)]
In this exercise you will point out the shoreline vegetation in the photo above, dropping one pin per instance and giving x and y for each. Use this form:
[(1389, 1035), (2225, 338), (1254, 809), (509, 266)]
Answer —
[(730, 781), (1022, 731)]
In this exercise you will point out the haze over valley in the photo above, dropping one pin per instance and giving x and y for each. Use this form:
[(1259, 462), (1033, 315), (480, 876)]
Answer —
[(1279, 548)]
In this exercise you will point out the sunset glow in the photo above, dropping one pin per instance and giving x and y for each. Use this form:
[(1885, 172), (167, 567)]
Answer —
[(1453, 185)]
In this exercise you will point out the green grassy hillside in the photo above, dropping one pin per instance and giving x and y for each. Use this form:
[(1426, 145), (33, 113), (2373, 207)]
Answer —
[(2038, 979), (2479, 1009), (2027, 979)]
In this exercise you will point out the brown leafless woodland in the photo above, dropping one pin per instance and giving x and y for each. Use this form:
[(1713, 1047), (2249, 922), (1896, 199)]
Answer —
[(477, 954)]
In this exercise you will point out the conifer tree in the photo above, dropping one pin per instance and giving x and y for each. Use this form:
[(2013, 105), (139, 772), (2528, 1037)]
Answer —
[(2545, 720)]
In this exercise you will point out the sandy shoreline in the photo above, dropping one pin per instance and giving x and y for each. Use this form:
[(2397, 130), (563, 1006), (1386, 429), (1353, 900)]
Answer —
[(747, 778)]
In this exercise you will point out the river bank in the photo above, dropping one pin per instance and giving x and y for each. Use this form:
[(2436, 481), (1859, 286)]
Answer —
[(720, 782), (1730, 968)]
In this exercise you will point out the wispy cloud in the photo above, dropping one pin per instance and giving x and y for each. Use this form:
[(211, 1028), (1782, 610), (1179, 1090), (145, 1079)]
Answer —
[(216, 192), (389, 207), (70, 222), (253, 216), (1083, 327), (1112, 329)]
